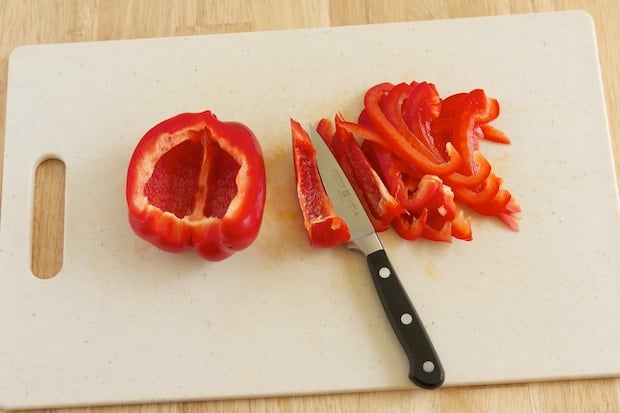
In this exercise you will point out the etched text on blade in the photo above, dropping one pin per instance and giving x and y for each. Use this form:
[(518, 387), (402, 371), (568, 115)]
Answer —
[(346, 195)]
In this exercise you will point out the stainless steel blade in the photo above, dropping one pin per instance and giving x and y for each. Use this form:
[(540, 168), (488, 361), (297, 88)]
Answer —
[(343, 197)]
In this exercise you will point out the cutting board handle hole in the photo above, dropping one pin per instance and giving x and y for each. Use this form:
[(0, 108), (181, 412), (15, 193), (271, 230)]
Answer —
[(48, 218)]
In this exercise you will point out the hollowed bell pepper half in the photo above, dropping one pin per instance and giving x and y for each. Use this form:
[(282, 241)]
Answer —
[(196, 182)]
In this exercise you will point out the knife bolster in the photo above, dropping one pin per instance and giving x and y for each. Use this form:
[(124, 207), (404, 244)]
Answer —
[(367, 244)]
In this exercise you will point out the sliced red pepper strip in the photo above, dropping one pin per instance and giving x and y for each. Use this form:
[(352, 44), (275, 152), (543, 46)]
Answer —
[(442, 127), (366, 182), (489, 189), (490, 110), (391, 172), (414, 128), (510, 220), (493, 134), (482, 170), (344, 163), (326, 130), (444, 203), (488, 107), (324, 227), (475, 107), (409, 226), (417, 160), (461, 226), (442, 234), (417, 196), (451, 104), (423, 101), (390, 137), (422, 107), (450, 107), (463, 133), (194, 181), (382, 160), (442, 211), (497, 205), (363, 119), (513, 205), (503, 205), (411, 192)]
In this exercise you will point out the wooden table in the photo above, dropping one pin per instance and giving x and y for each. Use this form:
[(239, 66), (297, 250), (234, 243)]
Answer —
[(49, 21)]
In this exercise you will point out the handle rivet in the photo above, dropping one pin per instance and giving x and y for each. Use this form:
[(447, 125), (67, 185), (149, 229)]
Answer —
[(384, 272), (428, 366), (406, 319)]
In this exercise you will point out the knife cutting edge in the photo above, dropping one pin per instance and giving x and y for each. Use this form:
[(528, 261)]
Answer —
[(425, 368)]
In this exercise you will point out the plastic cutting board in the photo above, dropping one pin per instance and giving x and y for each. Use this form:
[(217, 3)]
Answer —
[(123, 322)]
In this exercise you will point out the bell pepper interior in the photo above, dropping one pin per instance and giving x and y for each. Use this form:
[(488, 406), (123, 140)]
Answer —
[(310, 186), (196, 178), (222, 185)]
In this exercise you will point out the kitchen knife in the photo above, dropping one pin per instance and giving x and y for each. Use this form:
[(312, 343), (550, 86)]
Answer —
[(425, 369)]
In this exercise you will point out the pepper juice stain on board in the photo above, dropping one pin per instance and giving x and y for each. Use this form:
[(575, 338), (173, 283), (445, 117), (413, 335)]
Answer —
[(283, 234), (431, 270)]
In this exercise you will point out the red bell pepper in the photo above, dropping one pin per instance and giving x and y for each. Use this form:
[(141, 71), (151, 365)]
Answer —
[(475, 109), (382, 160), (409, 108), (453, 103), (196, 182), (380, 205), (415, 159), (442, 212), (481, 196), (412, 189), (490, 133), (391, 137), (461, 226), (469, 114), (324, 227), (410, 226), (422, 107), (327, 132), (411, 156), (441, 232), (481, 170), (429, 203)]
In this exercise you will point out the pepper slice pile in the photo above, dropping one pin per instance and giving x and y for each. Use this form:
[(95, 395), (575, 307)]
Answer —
[(414, 160), (196, 182)]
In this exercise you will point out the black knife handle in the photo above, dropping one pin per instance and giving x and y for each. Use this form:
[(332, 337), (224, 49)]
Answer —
[(425, 369)]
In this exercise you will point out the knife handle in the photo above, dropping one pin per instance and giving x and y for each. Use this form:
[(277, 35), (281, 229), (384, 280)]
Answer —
[(425, 369)]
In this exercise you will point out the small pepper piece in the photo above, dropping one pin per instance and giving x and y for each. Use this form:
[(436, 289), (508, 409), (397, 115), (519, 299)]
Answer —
[(325, 229), (196, 182)]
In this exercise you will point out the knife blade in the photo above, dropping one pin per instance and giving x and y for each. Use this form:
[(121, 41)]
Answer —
[(425, 368)]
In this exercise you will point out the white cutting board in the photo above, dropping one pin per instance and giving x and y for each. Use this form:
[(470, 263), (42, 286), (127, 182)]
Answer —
[(123, 322)]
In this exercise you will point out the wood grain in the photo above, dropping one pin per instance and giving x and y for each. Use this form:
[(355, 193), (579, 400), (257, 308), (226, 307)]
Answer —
[(49, 21)]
